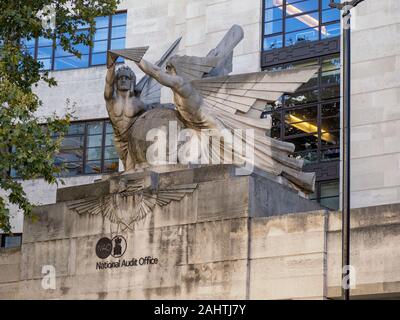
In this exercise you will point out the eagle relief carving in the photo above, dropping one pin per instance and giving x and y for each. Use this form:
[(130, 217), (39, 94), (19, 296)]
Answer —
[(131, 202)]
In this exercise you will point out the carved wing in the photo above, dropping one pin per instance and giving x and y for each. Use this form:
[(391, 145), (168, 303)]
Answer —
[(134, 54), (225, 50), (149, 199), (145, 202), (248, 93), (149, 88), (104, 205), (238, 101)]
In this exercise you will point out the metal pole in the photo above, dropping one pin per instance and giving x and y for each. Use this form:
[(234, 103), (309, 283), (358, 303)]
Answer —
[(346, 142), (346, 160)]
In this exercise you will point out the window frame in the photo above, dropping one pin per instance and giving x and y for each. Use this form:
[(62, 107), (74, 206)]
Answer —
[(85, 147), (90, 52), (319, 103), (285, 16), (3, 237)]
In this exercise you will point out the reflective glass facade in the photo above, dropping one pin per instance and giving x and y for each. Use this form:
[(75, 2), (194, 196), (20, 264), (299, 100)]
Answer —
[(310, 118), (290, 22), (88, 148), (110, 34)]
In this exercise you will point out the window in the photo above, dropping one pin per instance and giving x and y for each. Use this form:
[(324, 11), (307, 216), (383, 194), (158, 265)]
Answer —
[(88, 148), (310, 118), (10, 241), (327, 194), (110, 34), (289, 22)]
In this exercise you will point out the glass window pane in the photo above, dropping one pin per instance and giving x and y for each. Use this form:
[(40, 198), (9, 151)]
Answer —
[(330, 15), (44, 42), (303, 6), (76, 128), (306, 143), (12, 241), (331, 64), (301, 114), (273, 27), (29, 43), (31, 52), (99, 58), (109, 128), (93, 167), (329, 139), (101, 34), (95, 128), (93, 154), (82, 48), (94, 141), (111, 165), (118, 44), (308, 156), (273, 14), (72, 142), (109, 140), (331, 203), (45, 52), (330, 155), (69, 156), (301, 98), (302, 22), (272, 3), (331, 124), (301, 36), (60, 52), (71, 62), (292, 129), (325, 4), (102, 22), (330, 109), (118, 32), (330, 189), (46, 64), (273, 42), (331, 92), (119, 19), (72, 169), (110, 153), (100, 46), (330, 31), (331, 77)]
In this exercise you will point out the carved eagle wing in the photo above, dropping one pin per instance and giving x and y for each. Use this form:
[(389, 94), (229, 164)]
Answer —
[(145, 202)]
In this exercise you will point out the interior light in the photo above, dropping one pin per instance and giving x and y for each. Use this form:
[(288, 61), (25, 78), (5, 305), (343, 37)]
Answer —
[(309, 128)]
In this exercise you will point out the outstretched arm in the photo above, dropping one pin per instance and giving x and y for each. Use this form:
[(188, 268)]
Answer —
[(173, 82), (109, 88)]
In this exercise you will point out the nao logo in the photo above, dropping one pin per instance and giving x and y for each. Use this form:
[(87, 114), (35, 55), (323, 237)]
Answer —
[(114, 247)]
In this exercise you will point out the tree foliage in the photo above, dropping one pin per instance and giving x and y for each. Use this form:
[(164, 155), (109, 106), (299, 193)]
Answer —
[(26, 146)]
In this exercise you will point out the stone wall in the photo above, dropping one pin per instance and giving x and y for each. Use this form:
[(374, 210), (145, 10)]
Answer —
[(376, 104), (209, 245)]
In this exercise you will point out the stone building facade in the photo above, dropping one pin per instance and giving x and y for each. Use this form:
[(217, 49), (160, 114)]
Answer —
[(202, 23)]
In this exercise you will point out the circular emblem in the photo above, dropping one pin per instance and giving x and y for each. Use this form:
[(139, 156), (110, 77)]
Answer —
[(104, 248), (119, 246)]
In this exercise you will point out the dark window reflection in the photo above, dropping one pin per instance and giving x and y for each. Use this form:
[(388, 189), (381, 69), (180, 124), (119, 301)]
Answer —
[(310, 118), (88, 148)]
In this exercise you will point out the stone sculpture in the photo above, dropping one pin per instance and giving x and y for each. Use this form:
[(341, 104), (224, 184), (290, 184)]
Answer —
[(207, 97), (126, 101)]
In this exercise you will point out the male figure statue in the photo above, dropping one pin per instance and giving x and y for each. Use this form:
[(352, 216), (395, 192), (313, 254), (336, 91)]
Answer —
[(123, 107)]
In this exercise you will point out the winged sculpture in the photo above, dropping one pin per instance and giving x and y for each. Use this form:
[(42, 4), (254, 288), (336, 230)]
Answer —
[(206, 96), (126, 100)]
